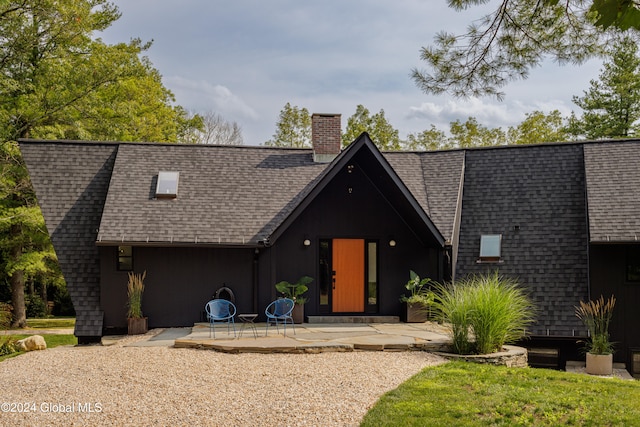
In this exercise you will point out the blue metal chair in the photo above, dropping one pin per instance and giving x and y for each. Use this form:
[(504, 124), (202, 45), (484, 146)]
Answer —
[(220, 310), (279, 311)]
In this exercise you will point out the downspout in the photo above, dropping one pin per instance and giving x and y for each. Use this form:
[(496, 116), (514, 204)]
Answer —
[(256, 267)]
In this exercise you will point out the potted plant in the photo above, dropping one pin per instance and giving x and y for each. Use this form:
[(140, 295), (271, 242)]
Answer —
[(419, 302), (136, 322), (596, 315), (295, 291)]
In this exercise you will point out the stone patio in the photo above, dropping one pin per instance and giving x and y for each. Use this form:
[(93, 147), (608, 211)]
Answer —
[(318, 337)]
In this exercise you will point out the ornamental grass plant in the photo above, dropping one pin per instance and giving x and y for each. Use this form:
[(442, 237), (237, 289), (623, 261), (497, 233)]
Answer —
[(453, 303), (135, 289), (596, 316), (485, 311)]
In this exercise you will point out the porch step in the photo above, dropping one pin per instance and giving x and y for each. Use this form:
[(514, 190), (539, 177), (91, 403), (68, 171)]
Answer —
[(353, 319)]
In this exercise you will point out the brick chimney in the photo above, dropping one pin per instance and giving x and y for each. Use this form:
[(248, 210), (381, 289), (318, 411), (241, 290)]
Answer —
[(325, 137)]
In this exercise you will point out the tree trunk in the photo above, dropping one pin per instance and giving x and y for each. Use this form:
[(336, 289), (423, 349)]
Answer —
[(43, 295), (17, 286)]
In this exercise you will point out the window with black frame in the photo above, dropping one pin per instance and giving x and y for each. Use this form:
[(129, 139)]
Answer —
[(125, 258), (633, 264)]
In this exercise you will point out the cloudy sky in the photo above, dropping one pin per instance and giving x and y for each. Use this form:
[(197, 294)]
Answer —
[(245, 59)]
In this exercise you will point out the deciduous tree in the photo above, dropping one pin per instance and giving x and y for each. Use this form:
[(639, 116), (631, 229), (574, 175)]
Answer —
[(215, 130), (430, 140), (293, 128), (473, 134), (539, 127), (382, 133), (57, 81)]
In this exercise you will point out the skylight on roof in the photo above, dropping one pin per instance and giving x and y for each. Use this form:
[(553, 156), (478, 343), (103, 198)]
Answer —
[(167, 184)]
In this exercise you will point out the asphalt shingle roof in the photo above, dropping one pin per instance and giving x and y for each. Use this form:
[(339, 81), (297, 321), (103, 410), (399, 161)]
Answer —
[(534, 197), (226, 195), (434, 179), (613, 190)]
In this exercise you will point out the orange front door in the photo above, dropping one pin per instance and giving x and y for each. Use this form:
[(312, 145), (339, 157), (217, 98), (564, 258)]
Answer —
[(348, 281)]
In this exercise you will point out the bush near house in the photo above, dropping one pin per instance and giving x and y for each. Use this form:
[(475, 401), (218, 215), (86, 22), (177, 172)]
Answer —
[(485, 312)]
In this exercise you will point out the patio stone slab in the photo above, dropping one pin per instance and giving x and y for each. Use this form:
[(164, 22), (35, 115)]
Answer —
[(379, 342), (165, 338), (264, 345), (337, 328), (325, 336)]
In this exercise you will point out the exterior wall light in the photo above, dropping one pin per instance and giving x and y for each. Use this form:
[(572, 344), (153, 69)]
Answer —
[(306, 242), (392, 243)]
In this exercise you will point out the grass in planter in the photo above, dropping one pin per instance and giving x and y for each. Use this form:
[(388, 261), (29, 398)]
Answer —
[(470, 394), (52, 340)]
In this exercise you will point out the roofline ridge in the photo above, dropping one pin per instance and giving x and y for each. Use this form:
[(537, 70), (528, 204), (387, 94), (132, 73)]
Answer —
[(152, 143)]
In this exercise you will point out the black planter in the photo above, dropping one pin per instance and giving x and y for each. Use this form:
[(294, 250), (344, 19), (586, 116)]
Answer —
[(414, 313)]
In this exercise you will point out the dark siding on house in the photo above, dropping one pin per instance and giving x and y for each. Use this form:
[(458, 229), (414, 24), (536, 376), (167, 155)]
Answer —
[(608, 277), (179, 282), (541, 190), (364, 213), (71, 182)]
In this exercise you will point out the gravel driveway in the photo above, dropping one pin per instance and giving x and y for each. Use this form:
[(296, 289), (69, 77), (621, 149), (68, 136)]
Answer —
[(138, 386)]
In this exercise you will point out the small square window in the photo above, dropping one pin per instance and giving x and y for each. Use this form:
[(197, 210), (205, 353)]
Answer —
[(633, 264), (167, 185), (125, 258), (490, 247)]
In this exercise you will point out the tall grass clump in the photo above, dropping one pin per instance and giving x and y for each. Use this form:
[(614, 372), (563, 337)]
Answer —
[(453, 303), (485, 312), (135, 289), (596, 316)]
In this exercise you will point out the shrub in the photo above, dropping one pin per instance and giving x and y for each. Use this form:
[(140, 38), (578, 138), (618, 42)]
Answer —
[(35, 306), (5, 315), (62, 304), (491, 308), (7, 346)]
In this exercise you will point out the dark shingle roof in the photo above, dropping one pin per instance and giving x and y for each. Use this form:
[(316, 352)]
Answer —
[(613, 190), (226, 195), (434, 179), (534, 197), (71, 182)]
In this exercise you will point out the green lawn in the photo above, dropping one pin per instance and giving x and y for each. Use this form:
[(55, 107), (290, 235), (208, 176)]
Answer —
[(52, 323), (469, 394), (52, 340)]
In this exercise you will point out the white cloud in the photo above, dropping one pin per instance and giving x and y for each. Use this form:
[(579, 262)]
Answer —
[(202, 95), (488, 113)]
